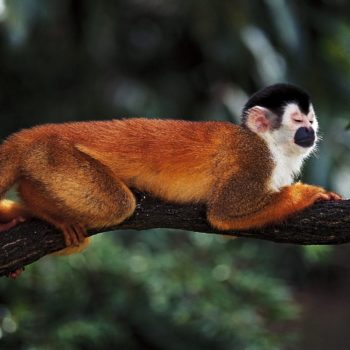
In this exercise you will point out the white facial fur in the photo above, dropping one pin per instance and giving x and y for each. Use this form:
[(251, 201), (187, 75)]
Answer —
[(288, 156)]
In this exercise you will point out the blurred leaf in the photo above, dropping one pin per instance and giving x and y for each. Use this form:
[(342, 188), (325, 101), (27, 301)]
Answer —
[(317, 253)]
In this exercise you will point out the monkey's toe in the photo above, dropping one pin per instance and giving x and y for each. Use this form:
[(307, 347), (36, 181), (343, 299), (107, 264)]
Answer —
[(74, 235), (334, 196), (80, 233)]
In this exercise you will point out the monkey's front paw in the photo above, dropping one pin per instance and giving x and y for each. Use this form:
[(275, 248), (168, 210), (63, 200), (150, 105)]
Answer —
[(329, 196)]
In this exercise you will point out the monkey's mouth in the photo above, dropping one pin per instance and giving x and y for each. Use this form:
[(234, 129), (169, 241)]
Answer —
[(305, 137)]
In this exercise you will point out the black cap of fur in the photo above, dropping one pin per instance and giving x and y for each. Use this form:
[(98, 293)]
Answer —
[(276, 97)]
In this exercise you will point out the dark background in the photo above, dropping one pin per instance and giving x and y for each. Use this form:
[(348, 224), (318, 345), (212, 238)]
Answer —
[(64, 60)]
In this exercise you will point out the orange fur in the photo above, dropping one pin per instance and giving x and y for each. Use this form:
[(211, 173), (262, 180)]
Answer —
[(78, 175), (279, 206)]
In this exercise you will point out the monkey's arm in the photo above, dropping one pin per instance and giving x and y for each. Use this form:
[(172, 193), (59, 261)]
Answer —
[(275, 207)]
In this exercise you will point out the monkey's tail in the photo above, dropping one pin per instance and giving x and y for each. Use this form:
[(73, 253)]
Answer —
[(10, 159)]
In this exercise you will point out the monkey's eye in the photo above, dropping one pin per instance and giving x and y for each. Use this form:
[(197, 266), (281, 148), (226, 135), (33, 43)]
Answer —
[(298, 120), (311, 121)]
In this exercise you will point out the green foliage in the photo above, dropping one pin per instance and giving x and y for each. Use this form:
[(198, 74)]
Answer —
[(167, 289), (317, 253)]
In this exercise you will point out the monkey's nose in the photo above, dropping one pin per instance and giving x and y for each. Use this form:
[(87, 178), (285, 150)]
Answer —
[(305, 137)]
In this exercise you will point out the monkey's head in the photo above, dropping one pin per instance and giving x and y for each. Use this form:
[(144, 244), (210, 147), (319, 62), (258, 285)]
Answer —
[(282, 114)]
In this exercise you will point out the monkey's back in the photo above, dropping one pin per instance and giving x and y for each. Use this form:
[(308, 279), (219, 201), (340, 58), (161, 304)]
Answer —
[(173, 159)]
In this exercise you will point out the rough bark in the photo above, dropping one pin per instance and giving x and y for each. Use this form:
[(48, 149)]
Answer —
[(323, 223)]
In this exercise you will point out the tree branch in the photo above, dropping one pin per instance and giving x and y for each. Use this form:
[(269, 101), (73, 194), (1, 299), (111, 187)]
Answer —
[(323, 223)]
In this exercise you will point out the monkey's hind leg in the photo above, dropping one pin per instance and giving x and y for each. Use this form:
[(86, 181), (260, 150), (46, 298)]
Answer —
[(75, 192)]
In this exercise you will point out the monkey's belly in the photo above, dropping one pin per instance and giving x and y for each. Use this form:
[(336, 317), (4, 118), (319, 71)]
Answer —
[(182, 189)]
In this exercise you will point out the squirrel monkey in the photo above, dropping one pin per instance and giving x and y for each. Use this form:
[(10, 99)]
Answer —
[(78, 175)]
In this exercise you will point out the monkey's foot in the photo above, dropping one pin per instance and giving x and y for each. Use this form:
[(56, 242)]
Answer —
[(74, 235), (5, 226), (15, 274)]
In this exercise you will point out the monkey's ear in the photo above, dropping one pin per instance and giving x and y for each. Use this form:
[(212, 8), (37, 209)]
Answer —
[(258, 120)]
